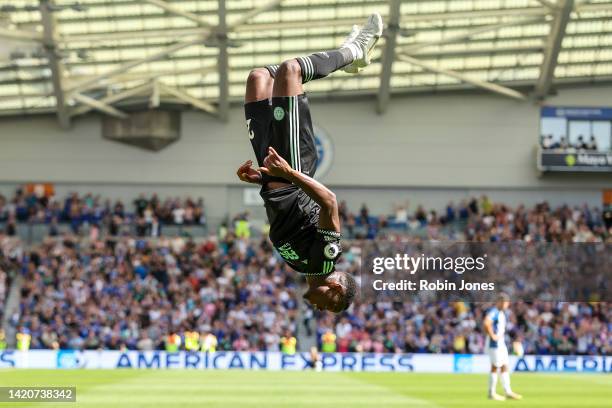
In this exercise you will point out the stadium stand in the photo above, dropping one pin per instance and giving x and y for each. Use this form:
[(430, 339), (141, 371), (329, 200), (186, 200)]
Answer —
[(133, 292), (148, 216), (77, 210), (542, 328), (130, 293), (33, 215)]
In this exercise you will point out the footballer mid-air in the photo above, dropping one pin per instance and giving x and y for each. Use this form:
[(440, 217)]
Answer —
[(303, 213)]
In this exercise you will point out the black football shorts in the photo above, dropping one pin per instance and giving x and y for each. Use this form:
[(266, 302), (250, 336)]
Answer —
[(285, 124)]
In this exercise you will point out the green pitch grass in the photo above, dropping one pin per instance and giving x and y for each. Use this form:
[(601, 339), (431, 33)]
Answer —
[(240, 389)]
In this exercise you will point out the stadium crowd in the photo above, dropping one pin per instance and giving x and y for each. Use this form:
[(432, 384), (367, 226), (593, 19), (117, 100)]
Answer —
[(482, 220), (144, 214), (445, 327), (455, 327), (136, 293), (582, 144), (131, 293)]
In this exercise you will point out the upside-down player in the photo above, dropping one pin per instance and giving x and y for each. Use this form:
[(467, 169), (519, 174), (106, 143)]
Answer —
[(303, 213), (495, 328)]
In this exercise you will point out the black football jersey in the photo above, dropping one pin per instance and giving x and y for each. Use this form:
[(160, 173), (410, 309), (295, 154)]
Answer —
[(293, 218)]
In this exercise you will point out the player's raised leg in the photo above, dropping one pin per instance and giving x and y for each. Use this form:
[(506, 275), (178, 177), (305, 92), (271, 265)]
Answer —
[(351, 56), (259, 85), (286, 125), (292, 135), (258, 114)]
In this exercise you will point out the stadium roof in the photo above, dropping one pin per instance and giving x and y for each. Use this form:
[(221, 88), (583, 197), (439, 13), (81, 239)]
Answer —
[(72, 57)]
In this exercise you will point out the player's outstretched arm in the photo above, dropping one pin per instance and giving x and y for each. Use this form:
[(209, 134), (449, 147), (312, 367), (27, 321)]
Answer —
[(248, 174), (275, 165)]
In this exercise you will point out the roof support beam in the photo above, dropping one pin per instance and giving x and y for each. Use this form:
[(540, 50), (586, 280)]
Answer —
[(99, 105), (336, 22), (239, 26), (472, 14), (409, 49), (132, 64), (177, 11), (55, 60), (553, 47), (548, 3), (185, 97), (502, 90), (136, 76), (254, 12), (384, 89), (202, 35), (412, 18), (110, 99), (582, 7), (127, 35), (223, 65), (21, 35)]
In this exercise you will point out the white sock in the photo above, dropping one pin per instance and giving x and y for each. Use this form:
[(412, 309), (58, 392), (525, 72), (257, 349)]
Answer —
[(505, 379), (492, 383), (356, 51)]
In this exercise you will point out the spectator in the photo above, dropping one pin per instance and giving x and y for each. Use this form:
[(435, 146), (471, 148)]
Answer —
[(364, 214), (592, 145), (420, 215), (401, 214), (547, 142)]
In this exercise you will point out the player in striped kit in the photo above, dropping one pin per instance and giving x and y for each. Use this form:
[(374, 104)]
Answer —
[(495, 323)]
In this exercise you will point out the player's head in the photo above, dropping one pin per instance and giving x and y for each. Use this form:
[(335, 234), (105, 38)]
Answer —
[(334, 292), (503, 301)]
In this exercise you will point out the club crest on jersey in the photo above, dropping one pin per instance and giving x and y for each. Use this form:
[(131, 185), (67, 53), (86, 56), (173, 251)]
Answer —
[(331, 250), (279, 113)]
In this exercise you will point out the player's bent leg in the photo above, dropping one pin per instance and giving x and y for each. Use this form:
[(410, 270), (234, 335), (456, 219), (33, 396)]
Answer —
[(294, 135), (292, 132), (257, 110), (362, 41), (308, 157), (288, 79), (351, 56), (259, 85)]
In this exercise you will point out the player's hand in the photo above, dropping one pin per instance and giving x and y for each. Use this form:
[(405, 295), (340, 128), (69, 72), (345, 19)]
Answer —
[(248, 174), (275, 165)]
